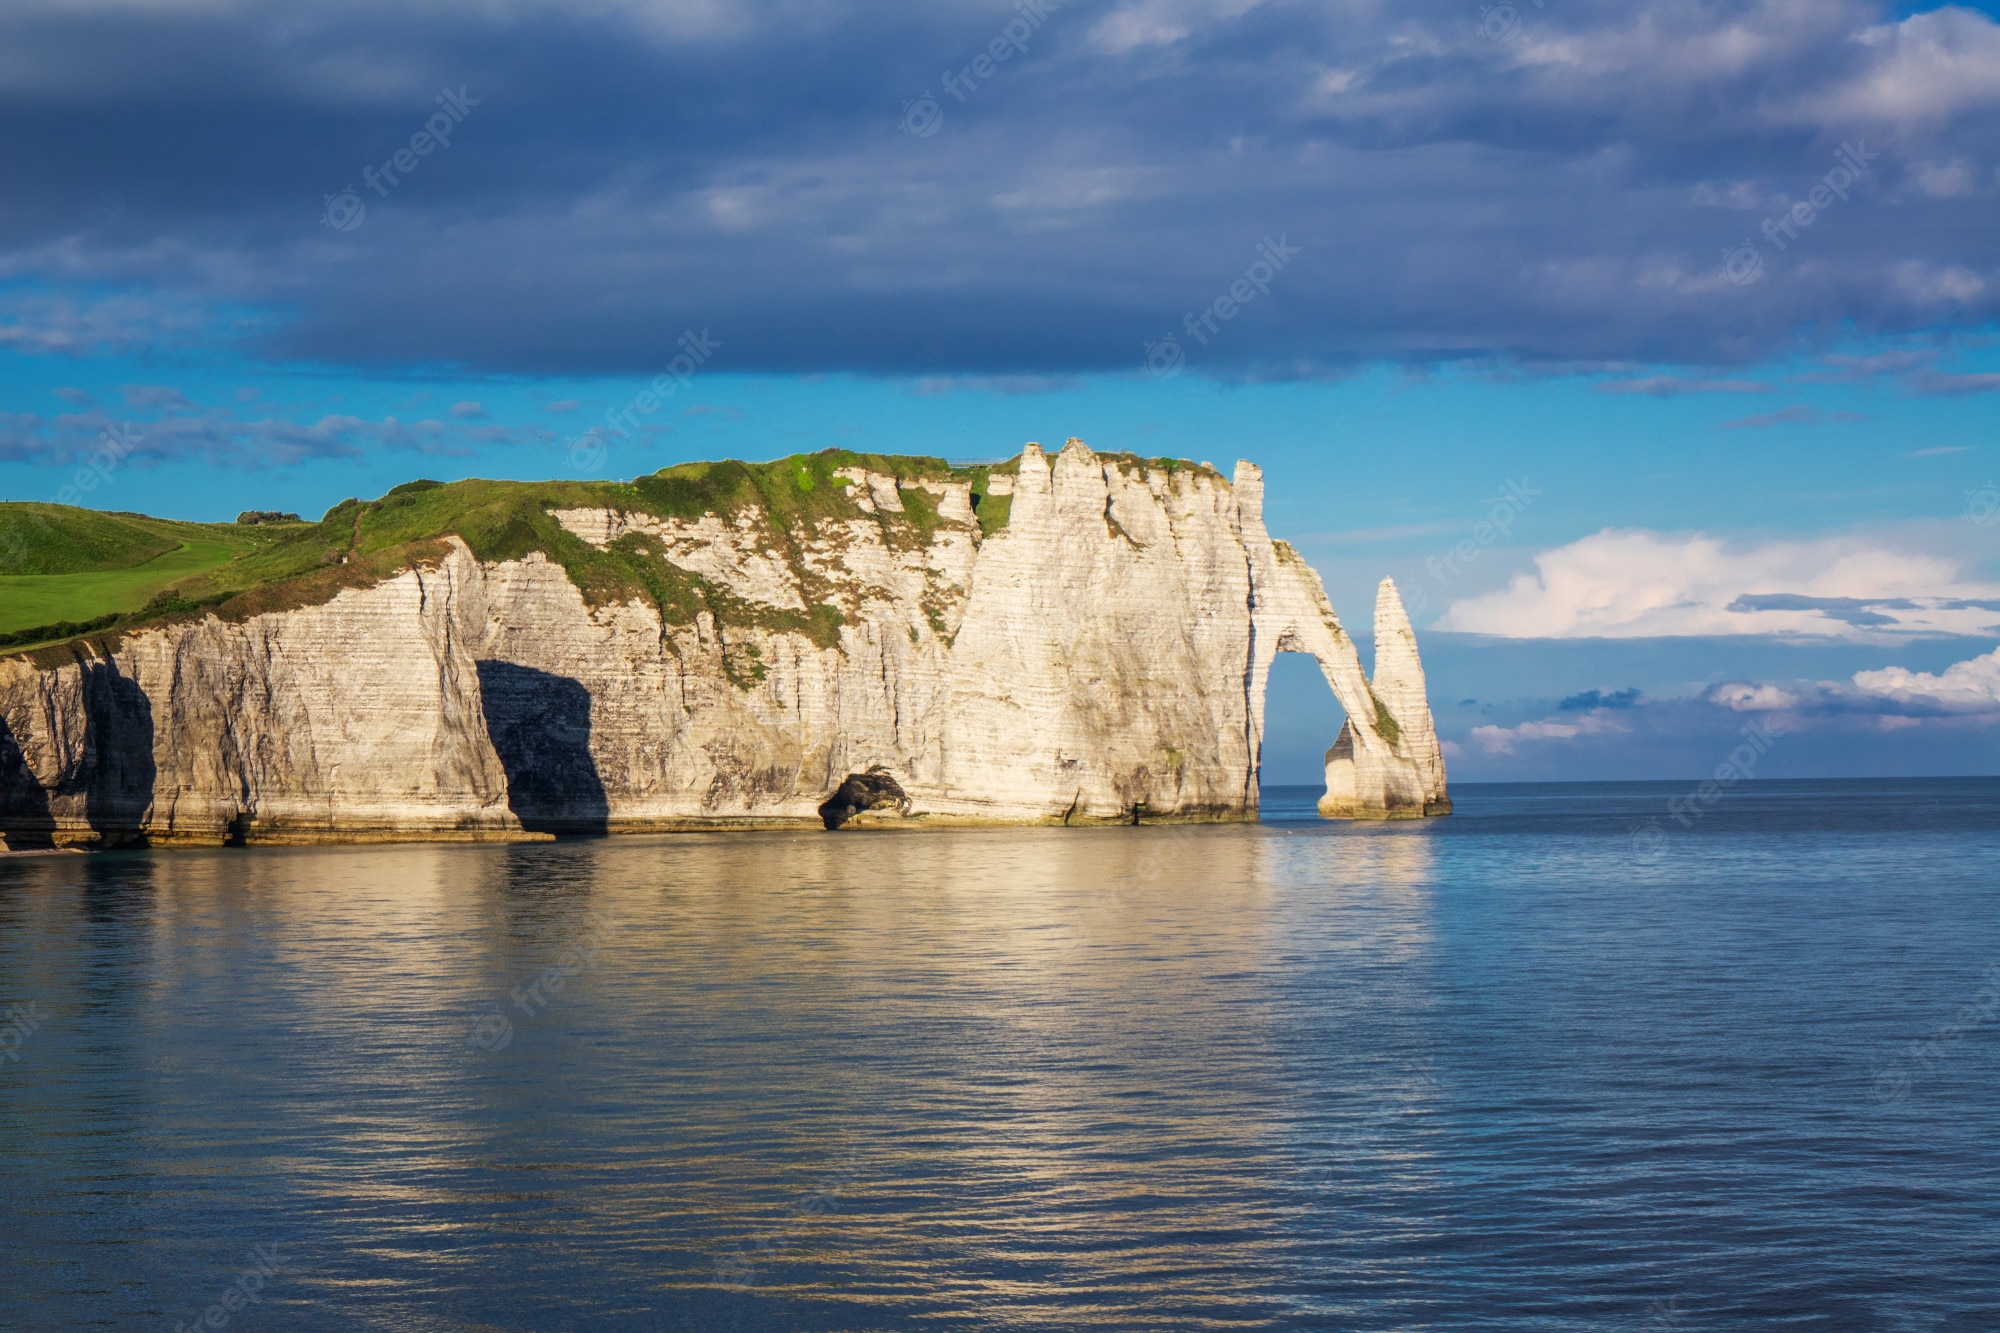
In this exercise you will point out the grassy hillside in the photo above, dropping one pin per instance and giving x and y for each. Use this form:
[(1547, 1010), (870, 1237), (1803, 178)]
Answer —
[(59, 564), (75, 572), (43, 599), (57, 539)]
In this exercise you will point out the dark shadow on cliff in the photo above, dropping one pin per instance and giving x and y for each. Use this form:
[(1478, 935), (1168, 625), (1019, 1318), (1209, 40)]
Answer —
[(24, 803), (118, 772), (540, 725)]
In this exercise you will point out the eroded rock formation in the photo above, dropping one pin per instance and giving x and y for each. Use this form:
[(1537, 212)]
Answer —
[(1103, 654), (863, 794), (1357, 785)]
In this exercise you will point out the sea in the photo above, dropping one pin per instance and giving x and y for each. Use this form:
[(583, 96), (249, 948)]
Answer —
[(1574, 1058)]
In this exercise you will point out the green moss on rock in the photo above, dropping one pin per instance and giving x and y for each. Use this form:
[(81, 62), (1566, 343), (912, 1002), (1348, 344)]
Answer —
[(359, 543), (1386, 725)]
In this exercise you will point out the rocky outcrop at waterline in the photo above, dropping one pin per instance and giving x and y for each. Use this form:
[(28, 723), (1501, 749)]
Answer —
[(862, 794), (1083, 639)]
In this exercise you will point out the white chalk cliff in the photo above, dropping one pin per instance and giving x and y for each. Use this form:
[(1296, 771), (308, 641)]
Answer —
[(1100, 658)]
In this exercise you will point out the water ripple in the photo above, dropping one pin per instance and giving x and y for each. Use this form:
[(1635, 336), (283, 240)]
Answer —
[(1515, 1070)]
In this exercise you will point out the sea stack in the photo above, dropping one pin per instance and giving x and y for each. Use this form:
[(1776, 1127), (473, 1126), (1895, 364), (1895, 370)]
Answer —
[(1399, 683), (1395, 770)]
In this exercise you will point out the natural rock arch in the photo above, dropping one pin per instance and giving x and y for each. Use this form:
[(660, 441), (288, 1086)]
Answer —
[(1386, 762)]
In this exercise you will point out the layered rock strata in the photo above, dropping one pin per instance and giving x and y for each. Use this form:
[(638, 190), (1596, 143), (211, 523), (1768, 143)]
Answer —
[(1101, 658)]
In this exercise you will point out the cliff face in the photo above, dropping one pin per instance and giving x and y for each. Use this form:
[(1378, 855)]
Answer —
[(1101, 657)]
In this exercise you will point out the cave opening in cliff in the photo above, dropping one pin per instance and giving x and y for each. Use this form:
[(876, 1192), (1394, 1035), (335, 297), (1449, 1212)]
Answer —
[(861, 793)]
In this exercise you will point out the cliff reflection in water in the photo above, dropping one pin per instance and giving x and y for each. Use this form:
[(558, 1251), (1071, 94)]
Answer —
[(774, 1064), (1480, 1072)]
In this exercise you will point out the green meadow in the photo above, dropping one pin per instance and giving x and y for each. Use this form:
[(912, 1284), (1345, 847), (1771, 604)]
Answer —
[(60, 564), (27, 600)]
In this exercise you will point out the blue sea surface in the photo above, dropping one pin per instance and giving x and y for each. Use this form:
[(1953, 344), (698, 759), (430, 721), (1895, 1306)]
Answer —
[(1562, 1061)]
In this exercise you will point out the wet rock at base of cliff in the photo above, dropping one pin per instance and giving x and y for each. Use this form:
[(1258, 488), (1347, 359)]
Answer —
[(876, 789)]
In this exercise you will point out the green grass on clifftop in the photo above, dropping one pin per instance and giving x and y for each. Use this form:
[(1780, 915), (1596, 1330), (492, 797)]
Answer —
[(67, 573), (58, 539), (59, 564)]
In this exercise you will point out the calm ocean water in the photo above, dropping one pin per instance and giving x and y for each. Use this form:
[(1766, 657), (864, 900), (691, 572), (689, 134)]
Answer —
[(1554, 1063)]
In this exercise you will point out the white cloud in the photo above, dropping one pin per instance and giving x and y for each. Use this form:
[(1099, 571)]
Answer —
[(1070, 191), (1943, 180), (1502, 740), (1729, 194), (1747, 697), (1161, 22), (39, 323), (1927, 67), (1928, 284), (1963, 687), (1638, 584)]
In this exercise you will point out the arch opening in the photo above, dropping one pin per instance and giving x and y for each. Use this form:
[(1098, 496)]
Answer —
[(1302, 719)]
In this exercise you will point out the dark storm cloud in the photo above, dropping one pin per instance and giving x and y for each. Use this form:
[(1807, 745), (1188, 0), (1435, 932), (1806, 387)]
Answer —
[(1575, 183), (1589, 699)]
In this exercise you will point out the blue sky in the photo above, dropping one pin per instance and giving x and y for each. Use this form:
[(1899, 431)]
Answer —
[(1575, 249)]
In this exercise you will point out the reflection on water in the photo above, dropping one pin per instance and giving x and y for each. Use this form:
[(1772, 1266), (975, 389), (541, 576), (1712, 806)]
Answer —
[(1466, 1073)]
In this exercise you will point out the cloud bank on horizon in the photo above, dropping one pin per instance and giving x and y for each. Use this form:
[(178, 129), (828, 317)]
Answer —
[(1891, 699), (1636, 584), (1003, 188), (1643, 587)]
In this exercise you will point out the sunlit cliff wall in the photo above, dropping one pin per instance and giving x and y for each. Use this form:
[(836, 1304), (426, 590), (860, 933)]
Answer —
[(1101, 657)]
